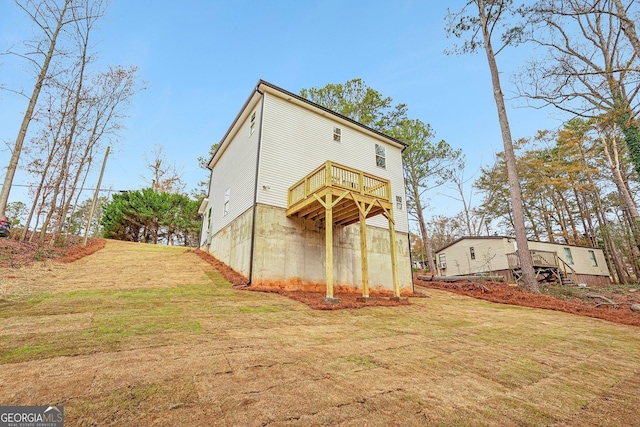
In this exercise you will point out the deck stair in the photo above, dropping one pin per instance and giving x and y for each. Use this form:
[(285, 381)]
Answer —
[(547, 266)]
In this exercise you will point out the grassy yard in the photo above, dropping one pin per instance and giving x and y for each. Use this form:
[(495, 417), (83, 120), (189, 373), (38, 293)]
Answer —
[(142, 335)]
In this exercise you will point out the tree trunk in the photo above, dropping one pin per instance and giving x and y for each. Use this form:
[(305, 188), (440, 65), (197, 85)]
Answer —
[(425, 238), (526, 263), (28, 115), (628, 26)]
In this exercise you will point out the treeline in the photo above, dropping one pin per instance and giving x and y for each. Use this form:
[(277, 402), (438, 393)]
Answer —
[(152, 216), (74, 111)]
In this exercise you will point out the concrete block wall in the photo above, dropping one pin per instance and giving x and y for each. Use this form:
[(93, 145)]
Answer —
[(291, 253), (232, 244)]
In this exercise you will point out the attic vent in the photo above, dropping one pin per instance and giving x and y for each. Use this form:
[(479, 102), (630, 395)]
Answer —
[(337, 134), (252, 128)]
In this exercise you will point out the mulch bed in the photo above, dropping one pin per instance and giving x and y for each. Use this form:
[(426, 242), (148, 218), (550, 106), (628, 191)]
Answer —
[(16, 254), (314, 300), (232, 276), (505, 294), (77, 251)]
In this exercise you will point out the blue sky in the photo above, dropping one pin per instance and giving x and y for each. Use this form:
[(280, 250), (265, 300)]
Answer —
[(201, 59)]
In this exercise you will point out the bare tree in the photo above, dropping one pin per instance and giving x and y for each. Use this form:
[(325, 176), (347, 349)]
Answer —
[(628, 25), (166, 177), (50, 17), (490, 16), (589, 66)]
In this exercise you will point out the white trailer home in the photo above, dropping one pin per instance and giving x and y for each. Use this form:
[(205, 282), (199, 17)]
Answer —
[(303, 197), (496, 255)]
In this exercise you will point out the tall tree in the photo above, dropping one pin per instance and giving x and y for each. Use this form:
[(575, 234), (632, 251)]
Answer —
[(426, 165), (588, 67), (490, 16), (151, 216), (356, 100), (49, 17)]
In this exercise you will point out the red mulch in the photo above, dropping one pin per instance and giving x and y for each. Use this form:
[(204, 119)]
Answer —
[(505, 294), (77, 251), (227, 272), (16, 254), (314, 300)]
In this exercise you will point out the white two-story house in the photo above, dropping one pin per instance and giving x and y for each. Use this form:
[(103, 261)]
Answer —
[(302, 197)]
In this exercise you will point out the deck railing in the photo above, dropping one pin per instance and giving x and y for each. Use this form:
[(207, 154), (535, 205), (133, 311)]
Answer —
[(334, 175), (545, 259), (540, 259)]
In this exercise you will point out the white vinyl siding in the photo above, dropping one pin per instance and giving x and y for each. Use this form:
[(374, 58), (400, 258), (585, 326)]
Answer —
[(492, 251), (582, 261), (225, 203), (233, 176), (293, 143), (488, 255)]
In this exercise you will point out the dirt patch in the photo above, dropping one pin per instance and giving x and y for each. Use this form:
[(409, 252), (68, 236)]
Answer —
[(505, 294)]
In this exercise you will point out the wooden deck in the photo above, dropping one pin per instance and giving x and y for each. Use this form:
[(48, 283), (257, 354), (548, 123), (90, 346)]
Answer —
[(334, 194), (547, 266), (347, 188)]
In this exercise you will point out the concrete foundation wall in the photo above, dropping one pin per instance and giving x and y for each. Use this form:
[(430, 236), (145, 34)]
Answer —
[(291, 252), (232, 244)]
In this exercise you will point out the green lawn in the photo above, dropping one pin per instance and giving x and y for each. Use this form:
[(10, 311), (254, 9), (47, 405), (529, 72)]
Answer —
[(202, 353)]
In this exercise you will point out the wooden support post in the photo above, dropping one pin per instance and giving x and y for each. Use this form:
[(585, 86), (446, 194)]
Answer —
[(363, 252), (394, 261), (328, 225)]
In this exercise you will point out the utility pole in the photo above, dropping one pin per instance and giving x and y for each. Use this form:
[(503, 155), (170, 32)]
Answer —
[(95, 199)]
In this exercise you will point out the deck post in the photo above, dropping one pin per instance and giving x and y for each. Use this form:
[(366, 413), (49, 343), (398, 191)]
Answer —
[(363, 253), (394, 262), (328, 233)]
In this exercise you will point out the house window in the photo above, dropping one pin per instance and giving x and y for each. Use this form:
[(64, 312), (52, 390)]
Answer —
[(399, 202), (592, 255), (252, 128), (209, 220), (472, 252), (381, 160), (225, 205), (337, 134), (567, 255), (442, 261)]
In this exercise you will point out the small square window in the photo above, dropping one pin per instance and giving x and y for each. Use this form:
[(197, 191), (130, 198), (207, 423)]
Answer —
[(337, 134), (472, 252), (399, 202), (252, 128), (381, 160)]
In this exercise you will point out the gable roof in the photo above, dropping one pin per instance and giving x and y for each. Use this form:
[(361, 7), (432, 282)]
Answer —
[(505, 237), (264, 86), (442, 248)]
